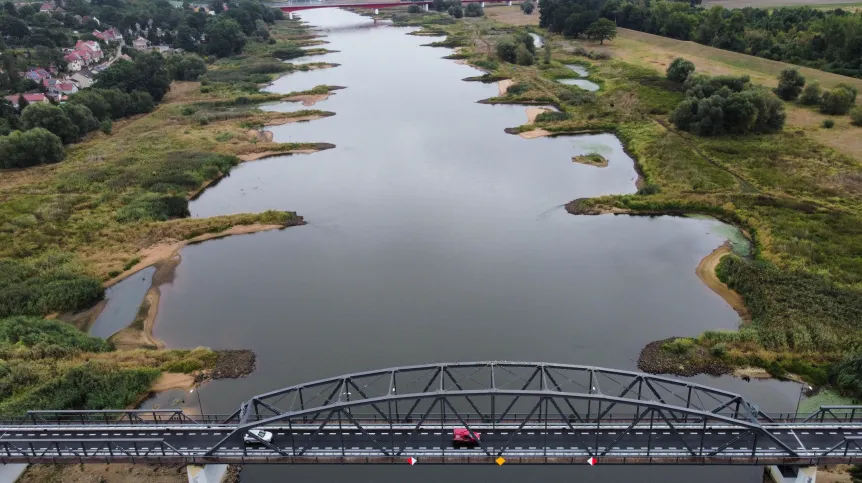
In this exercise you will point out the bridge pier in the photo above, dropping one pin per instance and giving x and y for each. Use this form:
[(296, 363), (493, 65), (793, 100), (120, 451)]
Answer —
[(483, 4), (792, 474), (290, 15), (427, 8), (509, 3), (376, 11), (206, 473), (10, 472)]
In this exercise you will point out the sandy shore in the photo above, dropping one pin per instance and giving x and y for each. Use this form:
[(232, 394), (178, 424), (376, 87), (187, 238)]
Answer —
[(281, 121), (706, 272), (504, 85), (535, 133), (173, 380), (308, 99), (267, 154)]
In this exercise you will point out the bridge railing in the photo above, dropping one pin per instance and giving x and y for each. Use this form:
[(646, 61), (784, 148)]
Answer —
[(825, 415)]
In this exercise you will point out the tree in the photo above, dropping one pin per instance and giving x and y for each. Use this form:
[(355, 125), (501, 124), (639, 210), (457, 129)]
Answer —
[(474, 10), (527, 7), (147, 72), (523, 56), (224, 37), (547, 54), (413, 8), (679, 70), (51, 118), (141, 102), (601, 30), (578, 22), (811, 94), (790, 83), (92, 100), (438, 5), (81, 117), (856, 116), (22, 102), (185, 67), (456, 11), (21, 149), (838, 100)]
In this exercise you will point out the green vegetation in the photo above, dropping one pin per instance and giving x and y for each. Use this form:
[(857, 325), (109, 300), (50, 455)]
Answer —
[(46, 364), (790, 83), (519, 49), (679, 70), (726, 104), (527, 7), (838, 100), (30, 148)]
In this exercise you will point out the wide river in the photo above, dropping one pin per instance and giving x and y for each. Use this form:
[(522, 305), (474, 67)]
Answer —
[(435, 236)]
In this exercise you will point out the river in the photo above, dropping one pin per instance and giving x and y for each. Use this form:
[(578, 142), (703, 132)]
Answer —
[(435, 236)]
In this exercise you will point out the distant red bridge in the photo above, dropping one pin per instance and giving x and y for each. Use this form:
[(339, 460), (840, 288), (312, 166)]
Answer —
[(294, 7)]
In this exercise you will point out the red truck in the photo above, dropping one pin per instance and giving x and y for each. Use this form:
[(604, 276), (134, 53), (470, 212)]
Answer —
[(461, 438)]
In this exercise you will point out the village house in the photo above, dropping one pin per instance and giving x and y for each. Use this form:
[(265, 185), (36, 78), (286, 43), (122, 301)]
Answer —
[(30, 98), (37, 74), (90, 50), (83, 79), (74, 61), (140, 43), (110, 35), (47, 7)]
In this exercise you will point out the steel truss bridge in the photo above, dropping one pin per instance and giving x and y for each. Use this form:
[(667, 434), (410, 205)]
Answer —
[(524, 412)]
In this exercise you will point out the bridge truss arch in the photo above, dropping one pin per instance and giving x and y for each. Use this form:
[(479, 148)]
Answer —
[(598, 412)]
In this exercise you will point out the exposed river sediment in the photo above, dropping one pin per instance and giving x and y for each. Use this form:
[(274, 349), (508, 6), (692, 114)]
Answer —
[(433, 235)]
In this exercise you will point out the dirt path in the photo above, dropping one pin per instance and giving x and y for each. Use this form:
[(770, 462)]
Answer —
[(706, 272)]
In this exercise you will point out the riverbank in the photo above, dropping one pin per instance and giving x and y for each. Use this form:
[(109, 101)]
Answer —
[(801, 221)]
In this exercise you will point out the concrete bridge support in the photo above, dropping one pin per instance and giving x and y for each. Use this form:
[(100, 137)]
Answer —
[(792, 474), (376, 11), (427, 8), (483, 4), (509, 3), (9, 473), (290, 15), (206, 473)]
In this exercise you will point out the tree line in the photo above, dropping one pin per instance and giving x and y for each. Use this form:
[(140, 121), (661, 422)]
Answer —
[(826, 40)]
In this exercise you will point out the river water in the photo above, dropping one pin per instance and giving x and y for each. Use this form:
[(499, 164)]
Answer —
[(435, 236)]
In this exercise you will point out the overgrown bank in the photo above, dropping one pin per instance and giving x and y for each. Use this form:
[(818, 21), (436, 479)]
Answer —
[(798, 201), (115, 201)]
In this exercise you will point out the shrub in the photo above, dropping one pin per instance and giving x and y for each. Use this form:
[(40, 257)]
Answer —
[(32, 331), (527, 7), (456, 11), (724, 111), (838, 100), (678, 346), (414, 9), (474, 10), (154, 207), (828, 123), (30, 148), (649, 189), (790, 83), (552, 116), (719, 350), (523, 56), (48, 284), (679, 70), (106, 126), (811, 94), (856, 116), (187, 67)]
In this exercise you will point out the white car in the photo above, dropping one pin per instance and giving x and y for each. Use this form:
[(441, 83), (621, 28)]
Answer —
[(264, 435)]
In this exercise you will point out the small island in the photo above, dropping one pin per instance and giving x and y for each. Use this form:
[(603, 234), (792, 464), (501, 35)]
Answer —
[(593, 159)]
